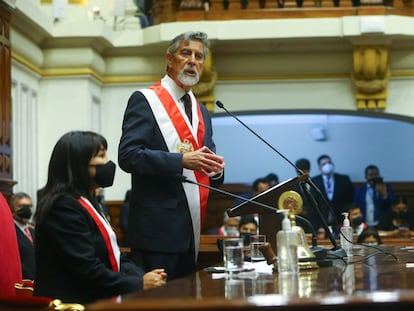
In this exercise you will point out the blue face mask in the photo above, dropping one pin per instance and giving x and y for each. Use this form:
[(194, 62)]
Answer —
[(105, 174)]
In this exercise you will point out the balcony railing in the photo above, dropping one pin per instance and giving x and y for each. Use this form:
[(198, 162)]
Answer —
[(195, 10)]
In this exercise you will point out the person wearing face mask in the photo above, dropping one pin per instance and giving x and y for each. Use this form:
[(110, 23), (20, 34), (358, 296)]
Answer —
[(399, 221), (375, 197), (22, 209), (337, 191), (356, 220), (77, 256), (167, 136), (370, 236)]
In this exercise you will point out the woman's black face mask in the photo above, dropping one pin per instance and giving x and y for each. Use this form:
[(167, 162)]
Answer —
[(105, 174)]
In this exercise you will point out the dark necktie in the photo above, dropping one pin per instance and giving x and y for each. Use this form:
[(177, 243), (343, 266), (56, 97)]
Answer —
[(187, 105)]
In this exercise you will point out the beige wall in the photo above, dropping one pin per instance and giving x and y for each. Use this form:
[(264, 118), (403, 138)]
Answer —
[(82, 67)]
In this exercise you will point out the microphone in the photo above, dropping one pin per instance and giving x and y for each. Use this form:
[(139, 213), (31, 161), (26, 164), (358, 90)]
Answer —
[(319, 252), (220, 105), (309, 181)]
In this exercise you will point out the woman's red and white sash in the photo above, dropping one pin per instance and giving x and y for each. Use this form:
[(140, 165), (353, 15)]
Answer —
[(175, 128), (107, 233)]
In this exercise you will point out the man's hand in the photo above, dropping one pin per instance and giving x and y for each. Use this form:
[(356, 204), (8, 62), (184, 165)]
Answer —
[(204, 160), (382, 190)]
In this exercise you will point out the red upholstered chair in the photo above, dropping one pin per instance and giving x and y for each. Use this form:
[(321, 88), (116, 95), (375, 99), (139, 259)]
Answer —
[(10, 267), (25, 288), (15, 293)]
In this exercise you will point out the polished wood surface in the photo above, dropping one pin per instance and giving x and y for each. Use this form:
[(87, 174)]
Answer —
[(376, 279)]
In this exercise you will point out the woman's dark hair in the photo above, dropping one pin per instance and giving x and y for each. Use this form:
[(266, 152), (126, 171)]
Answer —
[(68, 172), (370, 231)]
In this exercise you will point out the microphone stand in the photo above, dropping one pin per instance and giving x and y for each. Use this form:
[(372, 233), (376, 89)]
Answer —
[(319, 252), (220, 105), (338, 251), (182, 178)]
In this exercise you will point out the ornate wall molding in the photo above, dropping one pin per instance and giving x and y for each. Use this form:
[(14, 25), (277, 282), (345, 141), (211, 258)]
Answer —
[(370, 76)]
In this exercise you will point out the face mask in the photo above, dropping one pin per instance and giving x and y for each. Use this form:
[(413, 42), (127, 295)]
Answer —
[(399, 215), (105, 174), (372, 243), (246, 238), (357, 221), (231, 230), (25, 212), (327, 168)]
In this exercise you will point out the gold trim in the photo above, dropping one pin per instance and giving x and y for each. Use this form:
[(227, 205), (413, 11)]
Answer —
[(23, 61), (286, 76), (78, 2), (58, 305), (142, 79)]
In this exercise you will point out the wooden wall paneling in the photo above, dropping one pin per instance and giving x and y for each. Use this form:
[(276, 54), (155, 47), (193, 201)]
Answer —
[(6, 174)]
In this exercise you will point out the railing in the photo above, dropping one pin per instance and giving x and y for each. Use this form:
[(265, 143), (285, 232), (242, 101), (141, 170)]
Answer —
[(193, 10)]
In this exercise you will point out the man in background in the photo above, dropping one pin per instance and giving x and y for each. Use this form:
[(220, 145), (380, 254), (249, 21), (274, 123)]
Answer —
[(22, 210), (337, 191), (375, 197)]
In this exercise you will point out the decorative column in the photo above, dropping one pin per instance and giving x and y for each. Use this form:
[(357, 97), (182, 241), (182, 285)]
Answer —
[(370, 76)]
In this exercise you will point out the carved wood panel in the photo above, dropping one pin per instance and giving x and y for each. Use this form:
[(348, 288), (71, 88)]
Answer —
[(6, 174)]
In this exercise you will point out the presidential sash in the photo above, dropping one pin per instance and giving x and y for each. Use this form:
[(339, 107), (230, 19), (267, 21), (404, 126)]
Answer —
[(180, 136), (107, 233)]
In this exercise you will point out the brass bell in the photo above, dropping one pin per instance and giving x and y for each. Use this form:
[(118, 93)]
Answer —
[(292, 201)]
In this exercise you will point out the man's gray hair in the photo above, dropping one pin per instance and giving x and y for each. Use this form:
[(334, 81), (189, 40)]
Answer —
[(187, 37), (18, 196)]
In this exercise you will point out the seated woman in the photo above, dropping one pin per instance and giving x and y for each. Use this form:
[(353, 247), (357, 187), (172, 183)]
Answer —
[(77, 256), (399, 221), (369, 236)]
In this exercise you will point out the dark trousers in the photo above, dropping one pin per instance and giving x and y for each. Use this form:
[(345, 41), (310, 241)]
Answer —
[(175, 264)]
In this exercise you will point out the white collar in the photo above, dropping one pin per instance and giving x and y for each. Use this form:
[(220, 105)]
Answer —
[(172, 87)]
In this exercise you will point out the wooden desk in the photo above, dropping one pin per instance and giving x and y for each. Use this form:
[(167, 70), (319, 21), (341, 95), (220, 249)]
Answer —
[(379, 282)]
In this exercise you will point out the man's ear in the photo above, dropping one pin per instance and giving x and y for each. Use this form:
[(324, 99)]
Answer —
[(169, 58)]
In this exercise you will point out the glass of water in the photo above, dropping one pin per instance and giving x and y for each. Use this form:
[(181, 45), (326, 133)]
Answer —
[(255, 242), (233, 255)]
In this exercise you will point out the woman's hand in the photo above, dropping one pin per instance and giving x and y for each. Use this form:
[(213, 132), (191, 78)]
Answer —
[(155, 278)]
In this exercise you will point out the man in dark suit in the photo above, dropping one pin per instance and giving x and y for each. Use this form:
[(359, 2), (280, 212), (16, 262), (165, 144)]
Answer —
[(22, 209), (167, 133), (375, 197), (336, 189)]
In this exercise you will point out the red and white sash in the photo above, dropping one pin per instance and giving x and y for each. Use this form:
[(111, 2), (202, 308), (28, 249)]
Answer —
[(107, 233), (175, 128)]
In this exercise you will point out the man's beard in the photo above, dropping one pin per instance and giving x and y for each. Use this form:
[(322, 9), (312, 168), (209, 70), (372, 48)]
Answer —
[(186, 80)]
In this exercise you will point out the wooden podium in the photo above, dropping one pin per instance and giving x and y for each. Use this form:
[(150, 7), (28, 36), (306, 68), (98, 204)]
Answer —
[(265, 204)]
